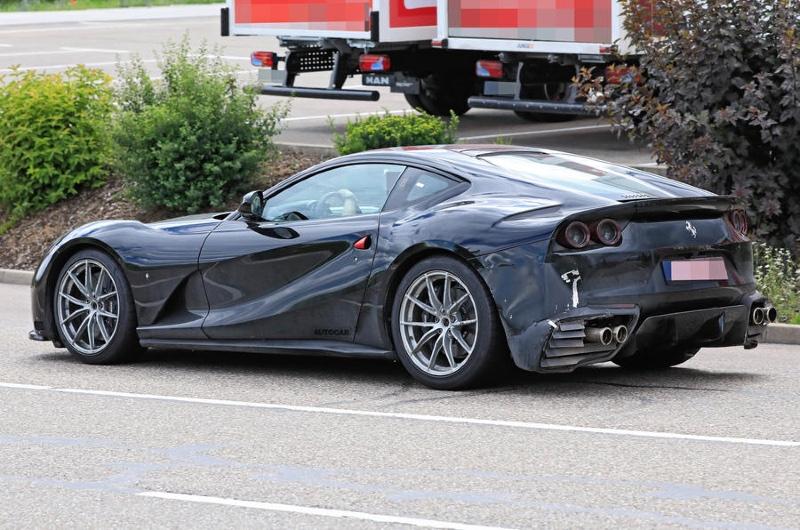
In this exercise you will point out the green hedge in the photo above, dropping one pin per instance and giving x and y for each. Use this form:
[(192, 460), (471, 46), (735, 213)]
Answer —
[(54, 136), (387, 130), (191, 140)]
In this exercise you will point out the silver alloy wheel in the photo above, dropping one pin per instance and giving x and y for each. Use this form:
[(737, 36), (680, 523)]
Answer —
[(87, 306), (438, 323)]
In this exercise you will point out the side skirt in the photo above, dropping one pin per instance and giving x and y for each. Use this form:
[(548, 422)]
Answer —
[(285, 347)]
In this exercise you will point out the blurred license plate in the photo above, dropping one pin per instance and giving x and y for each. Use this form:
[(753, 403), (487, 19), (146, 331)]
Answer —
[(695, 269)]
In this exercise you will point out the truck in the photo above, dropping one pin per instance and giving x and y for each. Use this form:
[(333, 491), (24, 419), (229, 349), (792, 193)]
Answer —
[(443, 55)]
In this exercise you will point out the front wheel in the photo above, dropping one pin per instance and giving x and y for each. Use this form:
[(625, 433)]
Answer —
[(93, 309), (445, 325), (656, 360)]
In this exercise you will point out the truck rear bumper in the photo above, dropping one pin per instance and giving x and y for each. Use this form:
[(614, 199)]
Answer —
[(319, 93), (531, 105)]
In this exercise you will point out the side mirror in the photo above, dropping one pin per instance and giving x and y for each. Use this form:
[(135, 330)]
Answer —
[(252, 206)]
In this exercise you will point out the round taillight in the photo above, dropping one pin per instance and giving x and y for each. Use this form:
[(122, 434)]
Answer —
[(576, 235), (608, 232), (740, 221)]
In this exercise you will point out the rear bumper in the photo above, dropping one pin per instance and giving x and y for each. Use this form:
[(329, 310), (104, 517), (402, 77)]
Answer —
[(709, 327)]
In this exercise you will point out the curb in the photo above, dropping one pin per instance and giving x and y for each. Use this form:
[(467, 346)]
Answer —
[(781, 334), (774, 334), (16, 277), (307, 149)]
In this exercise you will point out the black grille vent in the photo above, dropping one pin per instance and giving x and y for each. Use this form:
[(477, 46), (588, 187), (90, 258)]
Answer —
[(310, 61), (567, 346)]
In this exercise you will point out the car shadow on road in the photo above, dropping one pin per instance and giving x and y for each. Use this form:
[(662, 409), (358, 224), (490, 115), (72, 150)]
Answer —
[(592, 380)]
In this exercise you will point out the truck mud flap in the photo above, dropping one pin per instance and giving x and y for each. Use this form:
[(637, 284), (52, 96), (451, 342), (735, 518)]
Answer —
[(531, 105), (321, 93)]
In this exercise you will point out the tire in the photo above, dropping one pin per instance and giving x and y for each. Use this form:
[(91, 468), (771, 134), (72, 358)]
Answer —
[(95, 322), (440, 94), (413, 101), (658, 360), (467, 342)]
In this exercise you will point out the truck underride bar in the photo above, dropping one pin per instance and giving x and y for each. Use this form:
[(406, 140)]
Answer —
[(321, 93), (531, 105)]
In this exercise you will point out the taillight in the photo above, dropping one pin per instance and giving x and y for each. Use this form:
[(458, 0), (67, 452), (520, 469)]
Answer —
[(489, 69), (739, 221), (575, 235), (608, 232), (374, 63), (263, 59)]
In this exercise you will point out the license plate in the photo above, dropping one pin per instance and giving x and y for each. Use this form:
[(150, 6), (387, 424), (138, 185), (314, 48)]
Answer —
[(695, 270)]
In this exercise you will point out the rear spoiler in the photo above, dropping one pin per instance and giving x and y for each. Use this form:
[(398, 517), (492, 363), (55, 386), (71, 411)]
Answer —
[(662, 209)]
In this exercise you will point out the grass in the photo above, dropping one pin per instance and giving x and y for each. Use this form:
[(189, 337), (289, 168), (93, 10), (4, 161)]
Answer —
[(77, 5)]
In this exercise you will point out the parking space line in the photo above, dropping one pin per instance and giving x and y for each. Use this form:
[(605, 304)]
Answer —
[(534, 133), (348, 115), (535, 426), (310, 510)]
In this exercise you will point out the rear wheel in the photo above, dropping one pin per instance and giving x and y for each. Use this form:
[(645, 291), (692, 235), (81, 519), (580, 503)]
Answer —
[(445, 325), (93, 309), (657, 360), (440, 94)]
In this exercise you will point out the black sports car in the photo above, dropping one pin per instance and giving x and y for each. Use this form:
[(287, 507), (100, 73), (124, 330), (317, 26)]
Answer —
[(452, 259)]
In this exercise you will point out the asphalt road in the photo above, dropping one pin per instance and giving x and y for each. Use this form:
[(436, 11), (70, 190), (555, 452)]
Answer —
[(54, 46), (217, 440)]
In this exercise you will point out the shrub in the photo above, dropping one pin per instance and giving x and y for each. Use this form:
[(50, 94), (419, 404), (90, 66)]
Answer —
[(54, 136), (188, 141), (778, 278), (717, 95), (387, 130)]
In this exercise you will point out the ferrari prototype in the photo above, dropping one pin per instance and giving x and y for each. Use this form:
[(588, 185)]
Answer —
[(454, 260)]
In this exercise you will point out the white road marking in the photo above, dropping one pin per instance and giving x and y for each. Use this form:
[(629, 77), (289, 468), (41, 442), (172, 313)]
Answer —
[(348, 115), (28, 387), (92, 50), (94, 26), (535, 133), (62, 50), (322, 512), (6, 45), (419, 417), (68, 65)]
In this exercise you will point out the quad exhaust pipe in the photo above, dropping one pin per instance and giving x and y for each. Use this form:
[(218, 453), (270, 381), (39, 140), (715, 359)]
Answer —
[(602, 335), (620, 333), (761, 316), (606, 336)]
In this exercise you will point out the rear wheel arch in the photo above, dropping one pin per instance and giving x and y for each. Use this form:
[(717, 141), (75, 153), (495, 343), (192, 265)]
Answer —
[(407, 260)]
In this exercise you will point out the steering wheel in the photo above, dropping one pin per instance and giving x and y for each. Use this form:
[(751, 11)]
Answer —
[(349, 204)]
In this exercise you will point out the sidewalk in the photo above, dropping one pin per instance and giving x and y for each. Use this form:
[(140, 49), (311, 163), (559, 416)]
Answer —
[(106, 15)]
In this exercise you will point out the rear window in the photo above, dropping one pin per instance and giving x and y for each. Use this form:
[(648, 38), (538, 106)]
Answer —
[(575, 173)]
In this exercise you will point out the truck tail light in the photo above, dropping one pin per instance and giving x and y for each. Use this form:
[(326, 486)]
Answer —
[(489, 69), (374, 63), (263, 59)]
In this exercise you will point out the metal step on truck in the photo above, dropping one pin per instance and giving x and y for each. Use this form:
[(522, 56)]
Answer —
[(443, 55)]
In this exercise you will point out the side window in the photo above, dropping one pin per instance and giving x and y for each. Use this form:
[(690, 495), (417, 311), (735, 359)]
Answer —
[(357, 189), (418, 185)]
